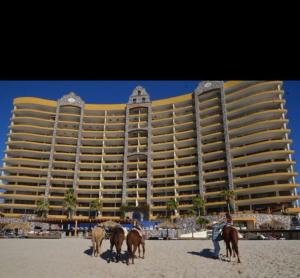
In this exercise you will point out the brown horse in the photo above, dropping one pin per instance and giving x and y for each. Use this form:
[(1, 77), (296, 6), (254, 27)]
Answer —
[(98, 235), (134, 240), (116, 239), (230, 235)]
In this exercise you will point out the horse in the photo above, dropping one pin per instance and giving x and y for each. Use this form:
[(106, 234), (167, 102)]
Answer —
[(134, 240), (116, 239), (230, 235), (98, 235)]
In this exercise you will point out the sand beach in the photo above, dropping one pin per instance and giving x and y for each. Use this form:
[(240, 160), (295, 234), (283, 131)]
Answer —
[(175, 258)]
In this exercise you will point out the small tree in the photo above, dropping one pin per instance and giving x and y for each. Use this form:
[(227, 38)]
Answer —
[(273, 225), (42, 208), (198, 205), (191, 212), (202, 222), (228, 195), (172, 206), (70, 202), (95, 206)]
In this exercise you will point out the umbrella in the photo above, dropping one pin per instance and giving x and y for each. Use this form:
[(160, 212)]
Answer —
[(25, 226), (168, 225), (109, 224)]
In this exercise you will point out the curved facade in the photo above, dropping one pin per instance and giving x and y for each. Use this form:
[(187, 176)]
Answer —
[(222, 135)]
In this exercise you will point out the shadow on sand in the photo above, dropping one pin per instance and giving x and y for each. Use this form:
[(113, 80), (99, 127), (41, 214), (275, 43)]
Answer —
[(206, 253), (89, 251), (106, 255)]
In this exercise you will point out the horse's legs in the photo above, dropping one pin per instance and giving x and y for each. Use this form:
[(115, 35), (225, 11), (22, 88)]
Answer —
[(129, 251), (228, 248), (118, 253), (233, 253), (94, 248), (97, 247), (119, 249), (226, 252), (139, 251), (100, 246), (236, 250), (134, 250), (143, 245), (111, 252)]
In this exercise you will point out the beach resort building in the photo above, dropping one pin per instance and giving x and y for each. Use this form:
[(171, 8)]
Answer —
[(145, 152)]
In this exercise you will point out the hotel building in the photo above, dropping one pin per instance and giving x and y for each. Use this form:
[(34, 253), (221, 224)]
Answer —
[(223, 135)]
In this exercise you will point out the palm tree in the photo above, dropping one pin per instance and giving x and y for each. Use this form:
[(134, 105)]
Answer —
[(199, 204), (172, 206), (202, 221), (70, 202), (42, 208), (228, 195), (95, 206)]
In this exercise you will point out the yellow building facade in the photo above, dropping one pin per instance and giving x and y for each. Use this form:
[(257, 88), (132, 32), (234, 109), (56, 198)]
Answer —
[(223, 135)]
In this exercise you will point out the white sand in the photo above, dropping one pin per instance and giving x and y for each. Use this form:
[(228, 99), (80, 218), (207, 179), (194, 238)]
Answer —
[(70, 258)]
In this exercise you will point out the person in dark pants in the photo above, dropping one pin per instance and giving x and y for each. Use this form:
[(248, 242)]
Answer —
[(216, 237), (216, 233)]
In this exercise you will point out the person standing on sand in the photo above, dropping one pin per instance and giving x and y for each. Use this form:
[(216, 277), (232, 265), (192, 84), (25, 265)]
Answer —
[(216, 237), (216, 233)]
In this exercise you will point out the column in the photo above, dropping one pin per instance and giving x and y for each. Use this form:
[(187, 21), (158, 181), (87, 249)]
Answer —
[(149, 173), (78, 149), (52, 151), (227, 142), (125, 158), (199, 144)]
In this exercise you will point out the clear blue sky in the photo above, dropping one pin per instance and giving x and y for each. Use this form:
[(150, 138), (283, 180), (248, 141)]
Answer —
[(119, 91)]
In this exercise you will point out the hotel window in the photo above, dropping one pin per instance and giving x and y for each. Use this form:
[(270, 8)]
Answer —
[(134, 100), (143, 99)]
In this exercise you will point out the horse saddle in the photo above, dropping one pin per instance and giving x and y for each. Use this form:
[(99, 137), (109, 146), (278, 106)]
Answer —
[(140, 232)]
